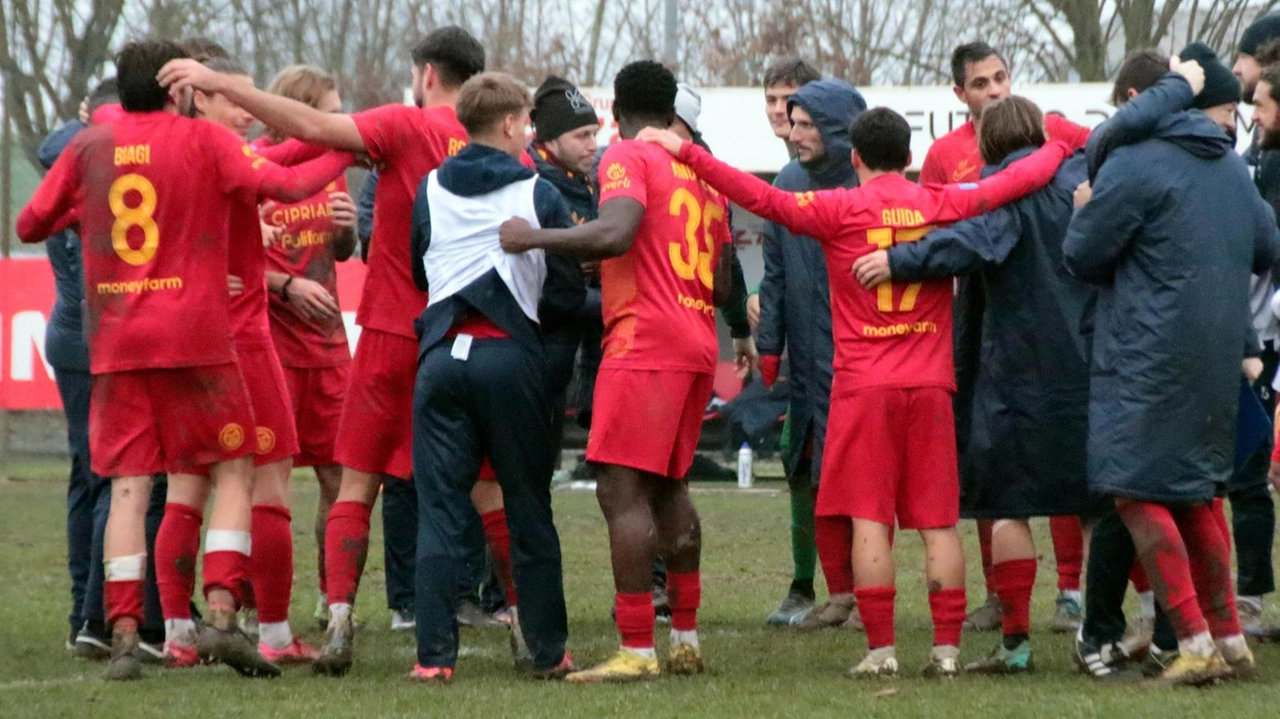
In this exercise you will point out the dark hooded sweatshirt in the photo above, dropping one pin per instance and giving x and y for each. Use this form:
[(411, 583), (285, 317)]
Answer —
[(480, 170), (1026, 445), (64, 344), (1165, 374), (795, 303)]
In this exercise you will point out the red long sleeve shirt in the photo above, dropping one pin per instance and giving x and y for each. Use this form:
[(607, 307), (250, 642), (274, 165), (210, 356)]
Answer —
[(898, 334), (152, 193)]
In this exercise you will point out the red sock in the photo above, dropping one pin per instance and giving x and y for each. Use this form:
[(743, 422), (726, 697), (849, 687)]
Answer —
[(875, 608), (498, 537), (271, 563), (947, 608), (684, 592), (1138, 576), (1164, 555), (320, 561), (227, 568), (1209, 549), (1014, 581), (984, 546), (834, 537), (635, 619), (177, 548), (123, 599), (346, 544), (1068, 549)]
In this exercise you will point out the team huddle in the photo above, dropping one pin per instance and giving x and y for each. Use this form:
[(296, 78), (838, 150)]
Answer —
[(1006, 339)]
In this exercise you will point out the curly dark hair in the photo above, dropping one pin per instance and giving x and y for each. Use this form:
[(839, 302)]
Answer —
[(644, 89)]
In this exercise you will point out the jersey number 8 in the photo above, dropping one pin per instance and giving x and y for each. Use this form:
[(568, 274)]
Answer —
[(141, 216), (698, 261)]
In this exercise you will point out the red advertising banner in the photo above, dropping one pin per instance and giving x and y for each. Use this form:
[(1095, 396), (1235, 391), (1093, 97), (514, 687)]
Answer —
[(26, 297)]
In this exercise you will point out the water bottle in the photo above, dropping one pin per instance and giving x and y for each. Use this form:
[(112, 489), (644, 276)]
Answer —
[(746, 474)]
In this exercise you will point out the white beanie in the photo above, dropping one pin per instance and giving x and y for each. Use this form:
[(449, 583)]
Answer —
[(688, 105)]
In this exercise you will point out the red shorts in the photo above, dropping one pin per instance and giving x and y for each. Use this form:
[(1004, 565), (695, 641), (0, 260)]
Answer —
[(891, 453), (648, 420), (316, 394), (277, 438), (166, 420), (375, 433)]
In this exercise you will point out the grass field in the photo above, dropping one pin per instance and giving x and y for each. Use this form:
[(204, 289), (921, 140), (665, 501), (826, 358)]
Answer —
[(754, 671)]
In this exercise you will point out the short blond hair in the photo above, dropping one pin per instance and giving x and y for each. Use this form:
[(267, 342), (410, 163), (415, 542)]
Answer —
[(304, 83), (489, 97)]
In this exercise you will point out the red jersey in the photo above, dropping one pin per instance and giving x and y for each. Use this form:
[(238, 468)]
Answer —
[(305, 250), (658, 311), (151, 192), (896, 335), (955, 157), (407, 143), (247, 258)]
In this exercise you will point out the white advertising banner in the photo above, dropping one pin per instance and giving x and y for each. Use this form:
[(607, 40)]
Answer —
[(733, 121)]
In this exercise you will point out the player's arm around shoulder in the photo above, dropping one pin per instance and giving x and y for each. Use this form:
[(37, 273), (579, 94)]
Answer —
[(623, 198)]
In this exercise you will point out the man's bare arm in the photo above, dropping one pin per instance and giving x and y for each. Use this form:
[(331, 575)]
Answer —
[(290, 117), (610, 235)]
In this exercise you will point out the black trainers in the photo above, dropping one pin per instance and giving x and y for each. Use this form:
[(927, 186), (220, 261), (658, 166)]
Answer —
[(1108, 662), (222, 640), (1157, 661), (92, 645)]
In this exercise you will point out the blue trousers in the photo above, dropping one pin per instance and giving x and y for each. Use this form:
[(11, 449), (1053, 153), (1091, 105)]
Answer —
[(494, 404)]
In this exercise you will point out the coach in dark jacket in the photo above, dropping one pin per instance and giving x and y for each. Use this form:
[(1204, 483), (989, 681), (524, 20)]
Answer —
[(1175, 299), (560, 114), (795, 315), (1031, 396)]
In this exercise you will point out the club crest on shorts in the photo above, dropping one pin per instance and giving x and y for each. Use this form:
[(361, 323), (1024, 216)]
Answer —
[(231, 437), (266, 439)]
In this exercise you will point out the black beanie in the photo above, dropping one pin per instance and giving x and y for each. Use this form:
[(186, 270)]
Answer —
[(558, 107), (1263, 29), (1220, 86)]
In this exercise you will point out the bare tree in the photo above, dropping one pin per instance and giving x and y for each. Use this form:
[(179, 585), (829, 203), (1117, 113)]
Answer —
[(50, 51)]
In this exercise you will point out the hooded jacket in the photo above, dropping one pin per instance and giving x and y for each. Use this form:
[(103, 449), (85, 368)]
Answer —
[(795, 303), (475, 171), (1173, 308), (64, 343), (1029, 423), (565, 280)]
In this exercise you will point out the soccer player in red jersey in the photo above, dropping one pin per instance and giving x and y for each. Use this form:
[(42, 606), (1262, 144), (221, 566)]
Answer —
[(374, 435), (660, 232), (981, 77), (152, 193), (891, 438), (306, 322), (271, 566)]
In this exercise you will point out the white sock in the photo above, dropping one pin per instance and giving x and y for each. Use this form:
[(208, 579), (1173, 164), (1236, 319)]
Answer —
[(1072, 594), (1232, 647), (1254, 602), (647, 652), (1148, 600), (946, 651), (1200, 645), (275, 634), (339, 613), (690, 638), (884, 653), (180, 631)]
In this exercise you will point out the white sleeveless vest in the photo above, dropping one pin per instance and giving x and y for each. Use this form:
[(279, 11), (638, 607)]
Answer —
[(464, 243)]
